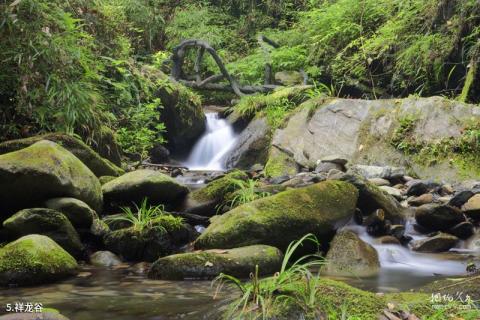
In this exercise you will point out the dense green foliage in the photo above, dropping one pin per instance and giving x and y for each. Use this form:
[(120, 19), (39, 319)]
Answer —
[(88, 67)]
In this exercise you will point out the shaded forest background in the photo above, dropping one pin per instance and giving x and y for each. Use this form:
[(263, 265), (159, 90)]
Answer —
[(92, 68)]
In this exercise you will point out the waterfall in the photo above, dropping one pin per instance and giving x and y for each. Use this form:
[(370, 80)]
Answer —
[(210, 150)]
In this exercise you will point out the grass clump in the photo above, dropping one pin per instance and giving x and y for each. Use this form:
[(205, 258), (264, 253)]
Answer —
[(145, 217), (246, 191)]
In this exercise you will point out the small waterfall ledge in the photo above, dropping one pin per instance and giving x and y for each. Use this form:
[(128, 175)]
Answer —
[(210, 151)]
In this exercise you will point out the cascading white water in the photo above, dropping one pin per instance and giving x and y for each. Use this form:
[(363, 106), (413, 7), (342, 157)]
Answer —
[(210, 151)]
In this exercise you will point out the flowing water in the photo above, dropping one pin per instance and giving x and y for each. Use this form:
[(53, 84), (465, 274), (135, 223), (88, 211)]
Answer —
[(106, 294), (210, 152)]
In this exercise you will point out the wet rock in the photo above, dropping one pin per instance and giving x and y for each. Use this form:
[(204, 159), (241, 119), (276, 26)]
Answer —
[(460, 198), (372, 198), (44, 171), (379, 182), (137, 185), (204, 201), (159, 154), (208, 264), (463, 230), (141, 268), (438, 217), (78, 212), (251, 146), (392, 191), (376, 224), (439, 243), (446, 189), (98, 165), (397, 231), (417, 188), (349, 255), (104, 259), (421, 200), (388, 240), (46, 222), (370, 172), (472, 207), (277, 220), (34, 259)]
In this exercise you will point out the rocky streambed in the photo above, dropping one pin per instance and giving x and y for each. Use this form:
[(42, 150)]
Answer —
[(69, 241)]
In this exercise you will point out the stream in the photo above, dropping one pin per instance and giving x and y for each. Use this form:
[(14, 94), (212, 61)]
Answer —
[(122, 294)]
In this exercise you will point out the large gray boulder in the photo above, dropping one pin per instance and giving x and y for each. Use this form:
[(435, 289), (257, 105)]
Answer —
[(134, 186), (43, 171), (251, 146), (46, 222), (277, 220), (34, 259), (208, 264), (369, 132)]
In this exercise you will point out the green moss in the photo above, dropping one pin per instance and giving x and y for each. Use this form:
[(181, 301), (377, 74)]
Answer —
[(238, 262), (277, 220), (279, 164), (34, 259), (283, 99), (219, 188)]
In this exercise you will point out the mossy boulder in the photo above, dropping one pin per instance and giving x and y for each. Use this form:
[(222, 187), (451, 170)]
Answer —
[(372, 198), (148, 244), (350, 256), (277, 220), (46, 222), (280, 164), (34, 259), (98, 165), (134, 186), (205, 200), (238, 262), (77, 211), (43, 171)]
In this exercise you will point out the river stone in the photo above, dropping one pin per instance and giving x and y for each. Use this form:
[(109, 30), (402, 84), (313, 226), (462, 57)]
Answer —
[(205, 200), (159, 154), (388, 240), (392, 191), (98, 165), (208, 264), (438, 217), (439, 243), (417, 188), (472, 207), (425, 198), (134, 186), (277, 220), (370, 172), (379, 182), (251, 146), (34, 259), (372, 198), (104, 259), (460, 198), (289, 78), (279, 164), (78, 212), (43, 171), (349, 255), (327, 166), (463, 230), (46, 222)]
